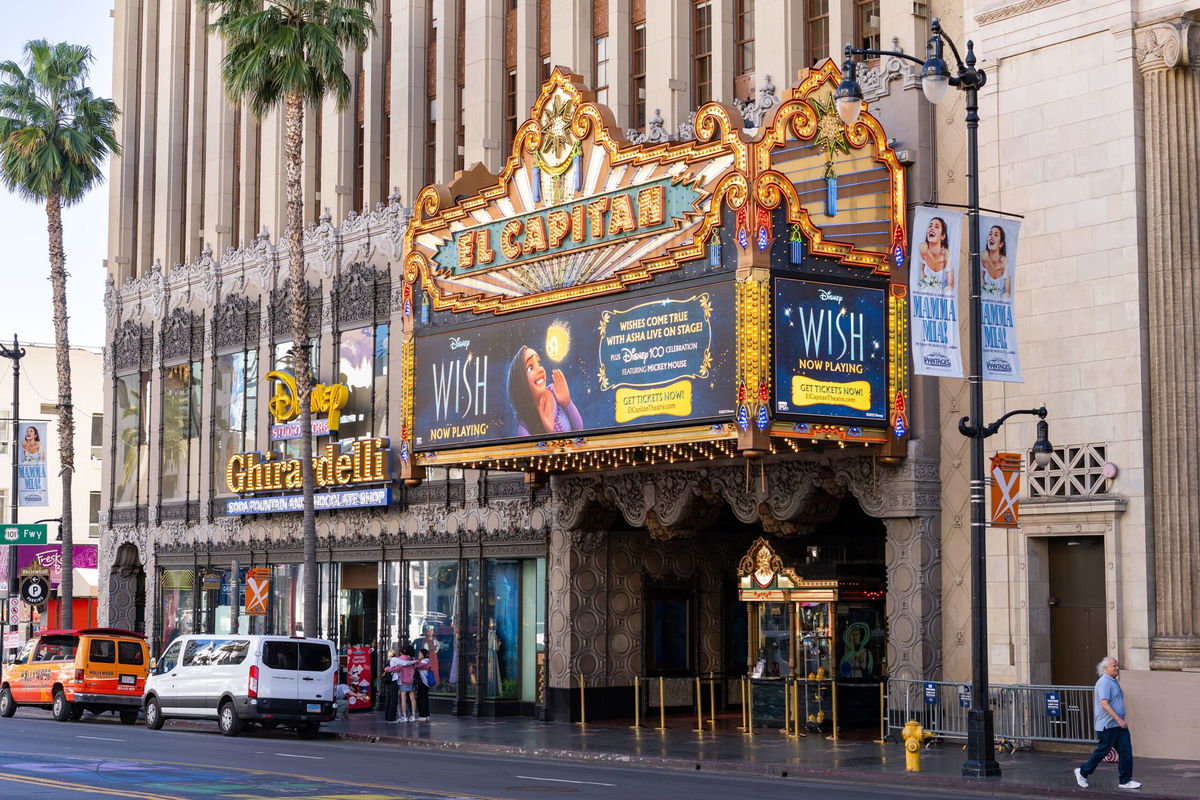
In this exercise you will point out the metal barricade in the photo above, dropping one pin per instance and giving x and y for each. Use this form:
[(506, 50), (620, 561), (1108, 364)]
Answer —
[(1021, 714)]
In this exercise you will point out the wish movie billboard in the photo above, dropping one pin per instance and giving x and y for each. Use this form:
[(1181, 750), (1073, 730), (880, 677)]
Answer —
[(619, 363), (830, 350)]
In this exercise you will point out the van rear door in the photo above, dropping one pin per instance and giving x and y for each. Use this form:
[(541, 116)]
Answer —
[(317, 669)]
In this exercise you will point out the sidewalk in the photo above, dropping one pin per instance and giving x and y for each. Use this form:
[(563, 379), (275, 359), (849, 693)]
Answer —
[(768, 752)]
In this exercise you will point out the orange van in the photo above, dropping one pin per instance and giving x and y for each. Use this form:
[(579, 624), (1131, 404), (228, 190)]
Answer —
[(72, 671)]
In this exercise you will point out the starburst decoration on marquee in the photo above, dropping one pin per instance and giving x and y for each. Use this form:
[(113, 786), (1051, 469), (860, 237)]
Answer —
[(555, 125), (831, 132)]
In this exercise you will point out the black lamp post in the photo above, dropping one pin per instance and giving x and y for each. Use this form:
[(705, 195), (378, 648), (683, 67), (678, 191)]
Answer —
[(14, 354), (935, 80)]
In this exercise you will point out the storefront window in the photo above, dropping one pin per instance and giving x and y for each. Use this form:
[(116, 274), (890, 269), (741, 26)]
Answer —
[(236, 387), (286, 609), (131, 476), (533, 625), (290, 448), (180, 451), (362, 367), (471, 630), (391, 625), (433, 619), (177, 592), (503, 643), (223, 603)]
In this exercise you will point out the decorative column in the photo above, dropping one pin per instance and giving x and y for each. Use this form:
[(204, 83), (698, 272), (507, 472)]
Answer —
[(1168, 55)]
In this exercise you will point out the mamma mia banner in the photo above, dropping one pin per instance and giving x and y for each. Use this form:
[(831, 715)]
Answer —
[(933, 288), (634, 362), (32, 486), (998, 266)]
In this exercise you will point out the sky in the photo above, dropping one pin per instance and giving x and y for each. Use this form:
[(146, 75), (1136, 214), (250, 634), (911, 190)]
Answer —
[(25, 269)]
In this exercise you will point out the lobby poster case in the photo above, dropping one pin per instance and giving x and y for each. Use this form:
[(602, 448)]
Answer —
[(636, 361)]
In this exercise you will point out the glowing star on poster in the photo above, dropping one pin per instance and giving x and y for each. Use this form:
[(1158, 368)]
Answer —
[(558, 341)]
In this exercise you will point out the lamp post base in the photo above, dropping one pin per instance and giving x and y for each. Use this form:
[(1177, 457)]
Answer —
[(980, 763)]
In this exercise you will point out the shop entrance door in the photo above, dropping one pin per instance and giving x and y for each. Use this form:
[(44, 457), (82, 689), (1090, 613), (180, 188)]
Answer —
[(1077, 618), (357, 609)]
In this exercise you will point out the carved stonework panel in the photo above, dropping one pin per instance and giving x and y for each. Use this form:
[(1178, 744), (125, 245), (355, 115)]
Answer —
[(131, 346), (361, 293), (1167, 45), (281, 310), (182, 336), (235, 323), (914, 615)]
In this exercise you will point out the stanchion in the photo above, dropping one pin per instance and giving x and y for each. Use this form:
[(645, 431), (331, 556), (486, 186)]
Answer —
[(834, 697), (750, 707), (662, 705), (712, 700), (787, 707), (883, 720), (699, 707), (799, 715), (637, 703), (742, 699), (582, 705)]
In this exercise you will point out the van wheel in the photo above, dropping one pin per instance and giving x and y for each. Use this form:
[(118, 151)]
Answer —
[(154, 717), (62, 707), (128, 716), (8, 706), (228, 720), (76, 713), (309, 730)]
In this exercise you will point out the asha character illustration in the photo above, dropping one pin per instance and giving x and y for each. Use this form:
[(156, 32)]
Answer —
[(540, 407)]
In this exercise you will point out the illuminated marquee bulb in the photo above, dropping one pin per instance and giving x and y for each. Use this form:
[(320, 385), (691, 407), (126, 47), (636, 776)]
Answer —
[(558, 341)]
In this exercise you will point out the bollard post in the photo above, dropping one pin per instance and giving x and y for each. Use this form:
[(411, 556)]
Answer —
[(787, 707), (699, 706), (637, 704), (834, 699), (882, 713), (796, 705), (582, 705), (662, 705), (750, 707), (712, 700), (742, 701)]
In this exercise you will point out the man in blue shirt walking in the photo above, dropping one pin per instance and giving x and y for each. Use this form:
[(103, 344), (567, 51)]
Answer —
[(1111, 726)]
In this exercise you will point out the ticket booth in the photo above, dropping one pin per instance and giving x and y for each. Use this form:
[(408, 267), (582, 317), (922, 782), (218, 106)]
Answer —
[(818, 625)]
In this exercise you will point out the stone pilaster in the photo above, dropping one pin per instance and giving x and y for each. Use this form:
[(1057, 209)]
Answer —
[(1168, 55)]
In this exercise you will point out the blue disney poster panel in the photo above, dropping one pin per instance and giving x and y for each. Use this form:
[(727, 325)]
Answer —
[(626, 363), (830, 350)]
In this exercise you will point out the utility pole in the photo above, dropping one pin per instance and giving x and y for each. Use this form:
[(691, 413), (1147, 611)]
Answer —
[(15, 355)]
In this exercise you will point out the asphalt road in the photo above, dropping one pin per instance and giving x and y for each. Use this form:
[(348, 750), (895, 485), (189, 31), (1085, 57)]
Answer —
[(99, 757)]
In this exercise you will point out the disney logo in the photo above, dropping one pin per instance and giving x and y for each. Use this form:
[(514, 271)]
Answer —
[(458, 344), (828, 295)]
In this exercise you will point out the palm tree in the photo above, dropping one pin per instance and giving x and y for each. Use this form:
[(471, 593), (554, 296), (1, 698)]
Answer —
[(291, 52), (55, 138)]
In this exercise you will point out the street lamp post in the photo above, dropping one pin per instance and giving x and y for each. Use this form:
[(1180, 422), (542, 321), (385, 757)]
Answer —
[(935, 80), (14, 354)]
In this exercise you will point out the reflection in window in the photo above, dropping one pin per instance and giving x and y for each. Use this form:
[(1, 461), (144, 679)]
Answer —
[(128, 394), (283, 360), (180, 451), (236, 388), (504, 617), (362, 367), (433, 617), (286, 611), (177, 590)]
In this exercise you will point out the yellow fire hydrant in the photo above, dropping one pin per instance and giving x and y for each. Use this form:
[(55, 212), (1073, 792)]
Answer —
[(914, 736)]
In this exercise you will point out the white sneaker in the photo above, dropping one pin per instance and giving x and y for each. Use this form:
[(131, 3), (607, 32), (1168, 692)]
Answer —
[(410, 718), (1129, 785), (1082, 781), (422, 719)]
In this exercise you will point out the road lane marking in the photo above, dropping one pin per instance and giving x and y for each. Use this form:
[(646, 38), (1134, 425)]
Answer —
[(562, 780), (85, 788), (99, 738), (293, 755)]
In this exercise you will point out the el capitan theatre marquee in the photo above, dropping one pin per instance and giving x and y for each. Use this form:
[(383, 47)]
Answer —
[(601, 304)]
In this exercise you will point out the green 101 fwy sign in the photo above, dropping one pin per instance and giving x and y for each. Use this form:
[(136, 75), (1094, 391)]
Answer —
[(22, 534)]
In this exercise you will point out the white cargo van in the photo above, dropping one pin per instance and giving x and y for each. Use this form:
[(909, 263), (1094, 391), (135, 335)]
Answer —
[(238, 679)]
